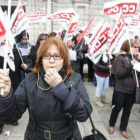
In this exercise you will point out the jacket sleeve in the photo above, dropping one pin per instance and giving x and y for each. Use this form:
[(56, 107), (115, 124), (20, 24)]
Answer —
[(122, 68), (76, 98), (33, 54), (16, 106)]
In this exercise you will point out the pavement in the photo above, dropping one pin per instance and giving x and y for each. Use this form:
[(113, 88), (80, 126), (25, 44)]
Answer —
[(99, 115)]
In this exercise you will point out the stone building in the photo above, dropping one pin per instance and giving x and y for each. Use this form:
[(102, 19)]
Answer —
[(85, 8)]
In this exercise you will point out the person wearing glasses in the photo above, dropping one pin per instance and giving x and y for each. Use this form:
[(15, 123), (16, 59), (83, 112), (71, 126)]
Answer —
[(24, 47), (124, 89), (54, 95), (33, 52)]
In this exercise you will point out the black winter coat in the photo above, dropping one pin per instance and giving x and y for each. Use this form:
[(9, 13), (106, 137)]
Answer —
[(49, 116), (124, 75), (102, 67)]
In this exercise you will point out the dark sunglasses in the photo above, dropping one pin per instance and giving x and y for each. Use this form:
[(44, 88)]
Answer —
[(24, 38), (42, 39), (135, 47)]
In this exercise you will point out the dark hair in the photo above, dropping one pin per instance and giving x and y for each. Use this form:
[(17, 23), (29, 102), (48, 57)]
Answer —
[(39, 37), (25, 34), (62, 48), (19, 37), (136, 37), (52, 34), (126, 46), (74, 38)]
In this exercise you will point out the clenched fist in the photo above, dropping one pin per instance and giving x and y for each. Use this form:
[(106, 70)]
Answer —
[(52, 77), (5, 82)]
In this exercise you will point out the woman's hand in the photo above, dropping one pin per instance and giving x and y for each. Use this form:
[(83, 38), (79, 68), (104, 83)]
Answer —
[(110, 67), (24, 66), (133, 62), (5, 81), (139, 56), (52, 77)]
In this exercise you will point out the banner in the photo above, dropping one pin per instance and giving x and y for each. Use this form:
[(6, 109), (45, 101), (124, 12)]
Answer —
[(62, 15), (72, 27), (133, 26), (19, 20), (3, 32), (128, 7), (120, 34), (88, 27), (100, 44), (95, 32), (39, 16)]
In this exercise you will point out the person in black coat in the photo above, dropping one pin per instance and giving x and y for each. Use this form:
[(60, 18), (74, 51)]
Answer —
[(75, 64), (54, 95), (33, 53)]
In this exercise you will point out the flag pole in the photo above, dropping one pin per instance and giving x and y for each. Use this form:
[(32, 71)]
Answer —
[(66, 34), (19, 53), (6, 45), (133, 59)]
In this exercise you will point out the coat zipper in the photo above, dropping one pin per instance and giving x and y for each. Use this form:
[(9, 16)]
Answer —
[(51, 112)]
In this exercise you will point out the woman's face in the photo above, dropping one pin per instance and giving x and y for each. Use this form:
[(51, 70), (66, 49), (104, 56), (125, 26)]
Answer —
[(135, 49), (42, 39), (52, 59), (24, 39)]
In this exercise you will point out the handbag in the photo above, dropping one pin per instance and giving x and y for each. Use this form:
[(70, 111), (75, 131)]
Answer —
[(96, 134), (137, 88), (137, 95)]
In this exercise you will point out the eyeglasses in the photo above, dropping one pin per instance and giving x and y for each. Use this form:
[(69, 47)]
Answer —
[(55, 56), (135, 47), (24, 38), (42, 39)]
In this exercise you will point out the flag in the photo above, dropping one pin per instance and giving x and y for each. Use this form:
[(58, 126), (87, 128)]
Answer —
[(95, 31), (72, 27), (120, 34), (128, 7), (3, 34), (39, 16), (85, 31), (63, 15), (59, 32), (19, 20), (100, 43), (133, 25)]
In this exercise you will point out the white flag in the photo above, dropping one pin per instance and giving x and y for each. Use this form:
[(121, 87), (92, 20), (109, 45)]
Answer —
[(19, 20), (3, 32), (119, 35), (63, 15), (72, 27), (128, 7), (39, 16), (100, 43)]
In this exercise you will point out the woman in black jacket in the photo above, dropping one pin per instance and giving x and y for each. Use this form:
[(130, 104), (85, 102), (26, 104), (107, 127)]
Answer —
[(124, 90), (54, 95), (33, 53)]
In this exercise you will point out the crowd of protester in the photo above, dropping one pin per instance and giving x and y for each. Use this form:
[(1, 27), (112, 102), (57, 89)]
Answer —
[(116, 73)]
